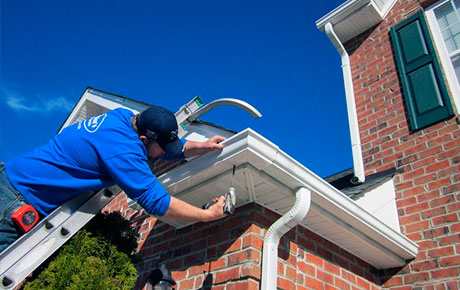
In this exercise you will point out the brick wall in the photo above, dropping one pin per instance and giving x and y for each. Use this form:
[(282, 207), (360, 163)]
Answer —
[(427, 161), (227, 254)]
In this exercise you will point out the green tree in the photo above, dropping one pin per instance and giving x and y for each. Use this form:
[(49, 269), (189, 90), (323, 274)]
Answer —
[(92, 260)]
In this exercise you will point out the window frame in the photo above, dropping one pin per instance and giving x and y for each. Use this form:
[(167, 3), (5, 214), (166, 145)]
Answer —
[(445, 61)]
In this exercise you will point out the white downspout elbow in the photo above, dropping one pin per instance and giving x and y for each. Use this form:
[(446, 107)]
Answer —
[(274, 234), (358, 164)]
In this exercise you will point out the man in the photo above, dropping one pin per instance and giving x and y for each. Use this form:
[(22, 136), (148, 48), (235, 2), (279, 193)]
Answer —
[(112, 148)]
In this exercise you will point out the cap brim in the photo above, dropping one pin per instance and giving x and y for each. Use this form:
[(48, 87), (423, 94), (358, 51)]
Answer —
[(174, 149)]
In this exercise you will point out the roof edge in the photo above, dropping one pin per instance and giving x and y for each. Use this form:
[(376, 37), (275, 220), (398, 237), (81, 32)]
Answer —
[(340, 12), (267, 157)]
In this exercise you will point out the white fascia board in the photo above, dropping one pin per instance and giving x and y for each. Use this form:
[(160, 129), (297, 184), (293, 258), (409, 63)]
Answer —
[(341, 12), (248, 147)]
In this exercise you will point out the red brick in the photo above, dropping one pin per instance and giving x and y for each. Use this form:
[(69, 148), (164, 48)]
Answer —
[(449, 153), (314, 284), (424, 266), (325, 277), (455, 228), (285, 283), (219, 264), (439, 183), (235, 246), (253, 229), (413, 191), (455, 188), (428, 195), (417, 208), (417, 226), (434, 212), (291, 273), (424, 162), (393, 281), (280, 268), (441, 252), (251, 270), (246, 255), (442, 201), (306, 268), (341, 284), (196, 270), (411, 278), (443, 273), (433, 233), (449, 240), (404, 220), (329, 287), (227, 275), (450, 261), (407, 201), (453, 144), (331, 268), (363, 283), (430, 151), (246, 285), (315, 260), (198, 282), (449, 218), (179, 275), (187, 284), (425, 179)]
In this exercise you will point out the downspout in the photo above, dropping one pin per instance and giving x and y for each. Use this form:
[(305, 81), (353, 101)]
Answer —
[(285, 223), (358, 164)]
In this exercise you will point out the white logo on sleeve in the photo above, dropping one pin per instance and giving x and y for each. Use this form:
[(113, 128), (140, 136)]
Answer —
[(92, 124)]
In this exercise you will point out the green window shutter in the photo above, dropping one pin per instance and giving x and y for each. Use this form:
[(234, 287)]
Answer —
[(423, 85)]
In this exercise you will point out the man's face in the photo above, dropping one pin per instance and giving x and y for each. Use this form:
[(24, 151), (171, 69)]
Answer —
[(153, 149)]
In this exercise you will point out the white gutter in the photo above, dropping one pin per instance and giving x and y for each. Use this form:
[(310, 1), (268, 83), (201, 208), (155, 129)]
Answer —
[(360, 233), (358, 164), (272, 238)]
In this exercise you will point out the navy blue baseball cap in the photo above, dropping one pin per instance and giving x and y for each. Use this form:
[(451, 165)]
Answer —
[(160, 125)]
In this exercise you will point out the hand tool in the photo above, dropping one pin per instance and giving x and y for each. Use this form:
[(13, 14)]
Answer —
[(230, 198)]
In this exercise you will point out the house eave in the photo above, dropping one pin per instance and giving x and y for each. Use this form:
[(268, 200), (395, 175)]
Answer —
[(355, 17), (341, 12), (333, 215)]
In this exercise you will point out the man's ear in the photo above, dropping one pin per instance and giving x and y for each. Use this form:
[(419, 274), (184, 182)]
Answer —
[(144, 139)]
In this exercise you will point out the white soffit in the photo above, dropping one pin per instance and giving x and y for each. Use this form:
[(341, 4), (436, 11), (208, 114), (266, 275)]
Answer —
[(355, 16), (268, 176)]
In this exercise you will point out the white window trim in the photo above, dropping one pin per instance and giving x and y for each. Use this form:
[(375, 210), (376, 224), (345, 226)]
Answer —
[(443, 54)]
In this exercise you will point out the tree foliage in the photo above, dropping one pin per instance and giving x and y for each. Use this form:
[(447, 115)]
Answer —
[(101, 259)]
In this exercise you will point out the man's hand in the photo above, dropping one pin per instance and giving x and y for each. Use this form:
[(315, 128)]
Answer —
[(179, 210), (216, 211), (193, 148)]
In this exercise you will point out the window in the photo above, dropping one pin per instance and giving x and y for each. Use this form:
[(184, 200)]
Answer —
[(444, 21), (424, 89)]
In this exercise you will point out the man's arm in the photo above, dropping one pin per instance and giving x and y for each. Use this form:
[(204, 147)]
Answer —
[(182, 211), (193, 148)]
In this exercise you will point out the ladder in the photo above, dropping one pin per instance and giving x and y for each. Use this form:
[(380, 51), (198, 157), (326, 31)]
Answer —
[(33, 248)]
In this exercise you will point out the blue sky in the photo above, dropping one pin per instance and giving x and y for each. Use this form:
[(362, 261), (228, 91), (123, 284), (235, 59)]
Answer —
[(267, 53)]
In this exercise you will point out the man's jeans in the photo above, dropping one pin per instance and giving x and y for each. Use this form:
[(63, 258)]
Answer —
[(10, 200)]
